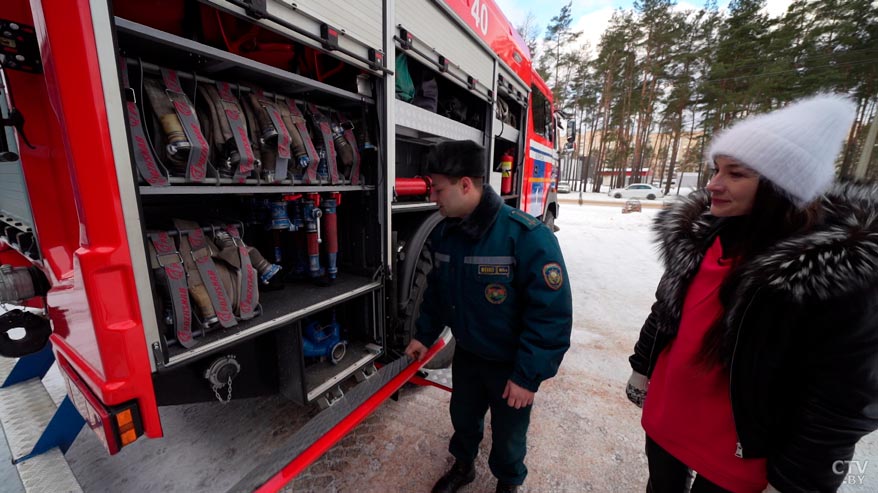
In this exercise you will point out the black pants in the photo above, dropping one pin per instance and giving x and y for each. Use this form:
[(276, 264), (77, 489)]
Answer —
[(477, 386), (669, 475)]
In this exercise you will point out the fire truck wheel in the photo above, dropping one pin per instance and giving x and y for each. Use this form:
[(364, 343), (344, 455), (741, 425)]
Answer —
[(419, 285)]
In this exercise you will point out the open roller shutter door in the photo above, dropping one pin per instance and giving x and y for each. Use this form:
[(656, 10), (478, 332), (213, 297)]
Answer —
[(432, 26)]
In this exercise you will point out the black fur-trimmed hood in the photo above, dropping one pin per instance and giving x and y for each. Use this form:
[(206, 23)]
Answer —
[(837, 258)]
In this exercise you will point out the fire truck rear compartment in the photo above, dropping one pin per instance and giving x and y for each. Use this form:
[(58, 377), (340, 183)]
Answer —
[(275, 362), (286, 308), (314, 236)]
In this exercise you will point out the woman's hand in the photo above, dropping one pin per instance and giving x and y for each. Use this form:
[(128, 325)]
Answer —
[(636, 389)]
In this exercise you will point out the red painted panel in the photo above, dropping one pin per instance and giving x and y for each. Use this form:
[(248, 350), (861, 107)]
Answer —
[(530, 169), (11, 256), (488, 22), (71, 180), (56, 223)]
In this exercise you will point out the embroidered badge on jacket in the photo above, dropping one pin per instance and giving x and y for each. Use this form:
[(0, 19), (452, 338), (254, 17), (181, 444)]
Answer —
[(495, 293), (553, 275)]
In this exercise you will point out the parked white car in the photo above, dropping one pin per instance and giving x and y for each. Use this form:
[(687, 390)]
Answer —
[(637, 191), (563, 187), (676, 195)]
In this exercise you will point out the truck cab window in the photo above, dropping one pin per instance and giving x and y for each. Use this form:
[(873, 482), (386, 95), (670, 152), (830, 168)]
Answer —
[(542, 113)]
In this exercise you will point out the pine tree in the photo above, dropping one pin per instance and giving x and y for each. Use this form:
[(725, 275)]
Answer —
[(529, 31), (606, 70), (659, 31), (732, 87), (657, 70), (559, 36), (586, 111), (682, 63)]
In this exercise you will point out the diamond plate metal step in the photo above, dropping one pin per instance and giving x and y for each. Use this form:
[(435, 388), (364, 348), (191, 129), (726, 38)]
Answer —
[(25, 410), (441, 376)]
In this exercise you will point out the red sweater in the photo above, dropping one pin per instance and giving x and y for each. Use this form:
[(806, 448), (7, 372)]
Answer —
[(688, 410)]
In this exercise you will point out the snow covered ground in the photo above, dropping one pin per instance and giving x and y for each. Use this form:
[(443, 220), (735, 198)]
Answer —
[(585, 435)]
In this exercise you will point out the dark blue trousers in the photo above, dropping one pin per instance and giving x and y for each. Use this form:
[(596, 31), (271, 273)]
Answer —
[(478, 385)]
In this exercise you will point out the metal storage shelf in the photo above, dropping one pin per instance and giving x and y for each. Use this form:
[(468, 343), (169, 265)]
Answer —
[(430, 126), (413, 206), (139, 40), (213, 189), (278, 307), (320, 377), (509, 133)]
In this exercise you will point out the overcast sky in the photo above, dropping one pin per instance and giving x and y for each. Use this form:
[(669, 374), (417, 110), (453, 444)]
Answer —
[(591, 16)]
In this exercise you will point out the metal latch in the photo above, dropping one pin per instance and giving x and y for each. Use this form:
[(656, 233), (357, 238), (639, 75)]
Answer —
[(16, 120)]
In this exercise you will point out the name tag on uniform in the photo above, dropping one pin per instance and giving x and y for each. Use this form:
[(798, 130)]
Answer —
[(494, 270)]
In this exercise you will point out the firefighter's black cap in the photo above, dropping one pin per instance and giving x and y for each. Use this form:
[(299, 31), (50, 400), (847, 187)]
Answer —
[(457, 158)]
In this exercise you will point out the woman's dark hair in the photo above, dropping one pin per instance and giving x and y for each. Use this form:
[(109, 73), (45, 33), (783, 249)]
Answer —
[(773, 218)]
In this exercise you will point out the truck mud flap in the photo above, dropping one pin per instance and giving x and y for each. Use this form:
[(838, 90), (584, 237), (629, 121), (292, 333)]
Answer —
[(331, 425)]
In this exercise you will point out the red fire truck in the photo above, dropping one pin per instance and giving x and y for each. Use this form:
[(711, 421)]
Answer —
[(201, 196)]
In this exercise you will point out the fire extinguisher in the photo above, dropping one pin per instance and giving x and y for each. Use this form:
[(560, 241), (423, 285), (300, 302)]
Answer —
[(418, 186), (506, 173)]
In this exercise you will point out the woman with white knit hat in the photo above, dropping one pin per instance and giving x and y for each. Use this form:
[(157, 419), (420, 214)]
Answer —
[(760, 354)]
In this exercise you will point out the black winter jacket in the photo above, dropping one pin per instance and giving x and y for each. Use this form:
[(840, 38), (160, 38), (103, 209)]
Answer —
[(802, 337)]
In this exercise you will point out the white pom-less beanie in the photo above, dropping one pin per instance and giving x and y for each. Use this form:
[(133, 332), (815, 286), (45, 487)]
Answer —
[(794, 147)]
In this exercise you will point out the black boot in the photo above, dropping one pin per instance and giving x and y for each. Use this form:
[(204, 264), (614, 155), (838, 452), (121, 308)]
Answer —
[(459, 475), (506, 488)]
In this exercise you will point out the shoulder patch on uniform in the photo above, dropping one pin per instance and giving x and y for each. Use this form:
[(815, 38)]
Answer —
[(524, 218), (553, 275)]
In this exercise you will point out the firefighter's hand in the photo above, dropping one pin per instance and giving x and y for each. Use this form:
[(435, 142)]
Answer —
[(416, 350), (517, 396)]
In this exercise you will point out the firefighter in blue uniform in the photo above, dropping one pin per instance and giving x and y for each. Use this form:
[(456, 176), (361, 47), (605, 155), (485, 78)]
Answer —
[(499, 281)]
